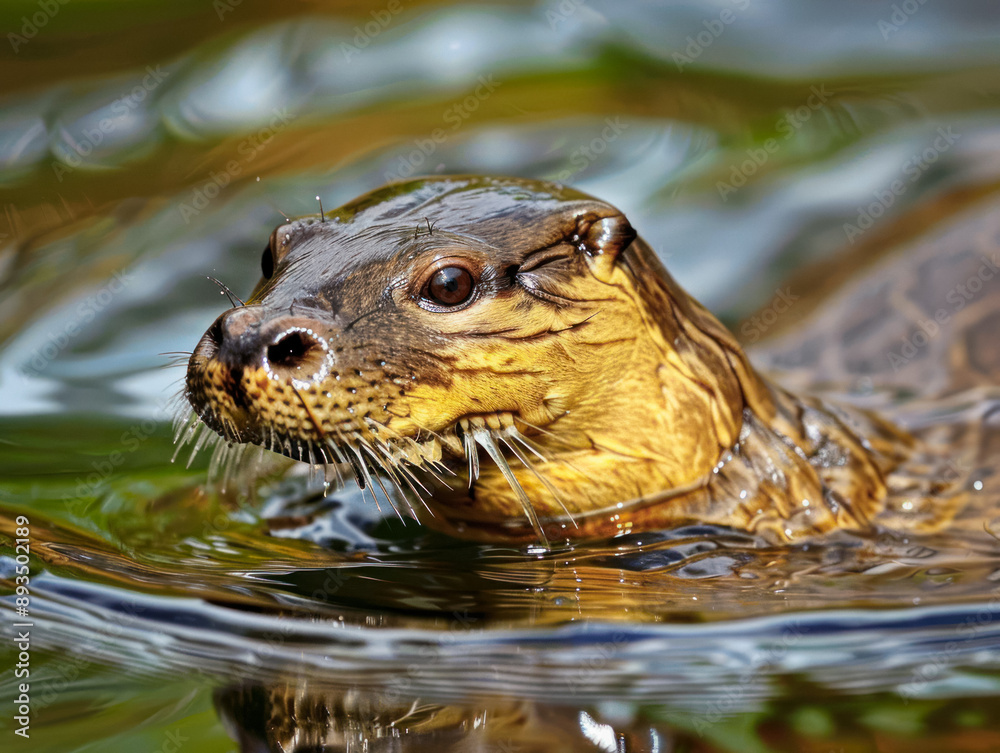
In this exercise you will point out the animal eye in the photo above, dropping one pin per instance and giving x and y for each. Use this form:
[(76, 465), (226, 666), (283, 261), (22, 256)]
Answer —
[(267, 263), (450, 286)]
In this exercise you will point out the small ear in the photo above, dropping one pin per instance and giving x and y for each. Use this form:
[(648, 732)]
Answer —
[(601, 239)]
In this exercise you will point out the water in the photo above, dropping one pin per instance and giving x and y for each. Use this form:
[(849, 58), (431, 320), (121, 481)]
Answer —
[(169, 614)]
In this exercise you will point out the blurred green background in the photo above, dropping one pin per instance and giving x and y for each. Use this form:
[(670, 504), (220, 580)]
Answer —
[(145, 145)]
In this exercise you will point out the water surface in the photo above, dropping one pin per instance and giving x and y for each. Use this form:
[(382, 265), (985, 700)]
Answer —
[(143, 147)]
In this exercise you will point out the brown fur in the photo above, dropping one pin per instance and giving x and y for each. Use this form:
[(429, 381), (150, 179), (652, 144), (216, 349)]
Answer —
[(640, 408)]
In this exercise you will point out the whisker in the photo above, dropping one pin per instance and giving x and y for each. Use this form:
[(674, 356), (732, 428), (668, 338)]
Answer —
[(363, 467), (394, 463), (334, 466), (219, 456), (389, 467), (359, 476), (332, 477), (227, 292), (485, 440), (385, 492), (237, 457), (559, 441), (546, 432), (203, 435), (514, 434), (184, 425), (509, 443), (338, 451), (472, 456)]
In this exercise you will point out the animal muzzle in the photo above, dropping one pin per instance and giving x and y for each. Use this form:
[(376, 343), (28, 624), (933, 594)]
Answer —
[(243, 374)]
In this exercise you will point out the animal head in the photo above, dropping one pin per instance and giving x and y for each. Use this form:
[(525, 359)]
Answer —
[(409, 326)]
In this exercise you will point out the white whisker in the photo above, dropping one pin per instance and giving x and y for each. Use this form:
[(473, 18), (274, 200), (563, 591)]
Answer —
[(378, 462), (508, 442), (472, 455), (485, 440), (218, 459), (203, 435)]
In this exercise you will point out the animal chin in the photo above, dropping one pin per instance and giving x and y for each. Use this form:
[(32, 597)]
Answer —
[(373, 451)]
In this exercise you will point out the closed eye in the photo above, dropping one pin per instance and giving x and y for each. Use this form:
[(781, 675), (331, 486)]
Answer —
[(530, 283), (544, 256)]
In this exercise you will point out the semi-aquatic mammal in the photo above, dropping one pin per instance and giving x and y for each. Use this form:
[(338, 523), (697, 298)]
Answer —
[(512, 356)]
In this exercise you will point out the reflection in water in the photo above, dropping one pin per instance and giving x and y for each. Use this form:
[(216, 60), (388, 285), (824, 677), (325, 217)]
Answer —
[(293, 718), (297, 718), (324, 626)]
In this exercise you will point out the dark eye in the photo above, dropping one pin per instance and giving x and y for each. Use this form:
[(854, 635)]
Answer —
[(450, 286), (267, 263)]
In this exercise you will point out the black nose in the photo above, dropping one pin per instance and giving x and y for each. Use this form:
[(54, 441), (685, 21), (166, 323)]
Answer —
[(237, 335)]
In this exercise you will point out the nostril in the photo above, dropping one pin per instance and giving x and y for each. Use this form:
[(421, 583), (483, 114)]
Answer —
[(290, 350), (298, 354)]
